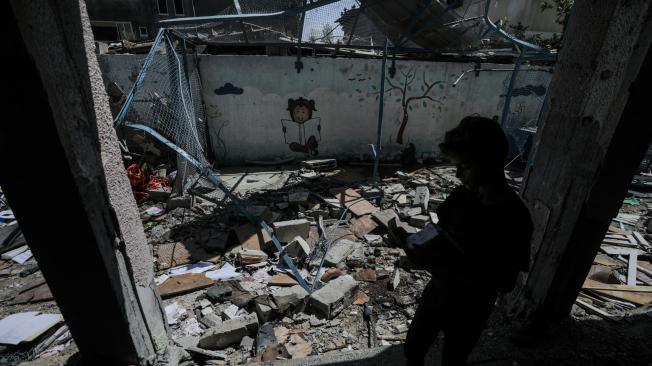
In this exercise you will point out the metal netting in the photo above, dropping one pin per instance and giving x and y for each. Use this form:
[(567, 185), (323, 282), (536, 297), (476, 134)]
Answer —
[(442, 25), (524, 97), (166, 101)]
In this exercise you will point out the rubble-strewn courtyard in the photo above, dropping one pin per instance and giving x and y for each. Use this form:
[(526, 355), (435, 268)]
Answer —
[(229, 299)]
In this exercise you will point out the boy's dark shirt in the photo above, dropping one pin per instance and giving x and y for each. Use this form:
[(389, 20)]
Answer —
[(486, 245)]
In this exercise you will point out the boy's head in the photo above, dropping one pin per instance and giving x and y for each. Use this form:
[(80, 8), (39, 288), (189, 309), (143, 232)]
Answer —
[(478, 147)]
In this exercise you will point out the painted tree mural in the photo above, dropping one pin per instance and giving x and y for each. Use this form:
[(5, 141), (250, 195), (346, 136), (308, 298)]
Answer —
[(407, 96)]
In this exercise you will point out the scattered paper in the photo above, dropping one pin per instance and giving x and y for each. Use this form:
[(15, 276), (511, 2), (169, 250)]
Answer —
[(22, 257), (160, 279), (198, 267), (154, 211), (225, 273), (173, 312)]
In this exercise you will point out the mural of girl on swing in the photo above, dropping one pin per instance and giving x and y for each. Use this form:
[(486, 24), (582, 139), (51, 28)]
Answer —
[(301, 119)]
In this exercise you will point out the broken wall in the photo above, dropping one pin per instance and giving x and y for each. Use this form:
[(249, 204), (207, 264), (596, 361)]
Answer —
[(247, 97)]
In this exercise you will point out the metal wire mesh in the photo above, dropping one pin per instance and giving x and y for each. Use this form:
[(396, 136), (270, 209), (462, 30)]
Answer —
[(435, 24), (526, 99), (167, 100)]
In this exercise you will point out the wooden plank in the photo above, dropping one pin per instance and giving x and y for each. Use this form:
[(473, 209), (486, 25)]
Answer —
[(181, 284), (637, 298), (253, 237), (631, 269), (352, 199), (175, 254), (590, 284)]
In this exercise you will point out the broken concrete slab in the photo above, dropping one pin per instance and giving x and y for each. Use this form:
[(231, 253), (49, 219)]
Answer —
[(287, 230), (339, 251), (251, 256), (331, 273), (334, 297), (207, 353), (419, 221), (383, 217), (362, 226), (297, 248), (373, 240), (229, 332), (176, 201), (217, 293), (354, 201), (357, 257), (290, 298), (366, 275), (407, 212)]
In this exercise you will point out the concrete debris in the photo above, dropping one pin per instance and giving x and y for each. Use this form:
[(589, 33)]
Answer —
[(321, 165), (297, 248), (366, 275), (339, 251), (217, 293), (395, 280), (286, 231), (419, 221), (334, 297), (251, 256), (229, 332)]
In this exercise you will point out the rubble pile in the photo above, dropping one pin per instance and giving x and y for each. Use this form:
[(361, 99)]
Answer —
[(30, 324), (619, 283), (231, 298)]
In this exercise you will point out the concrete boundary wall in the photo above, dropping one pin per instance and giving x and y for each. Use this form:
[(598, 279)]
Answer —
[(247, 97)]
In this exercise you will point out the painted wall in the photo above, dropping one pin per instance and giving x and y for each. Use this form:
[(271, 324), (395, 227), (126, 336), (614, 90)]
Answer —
[(247, 97)]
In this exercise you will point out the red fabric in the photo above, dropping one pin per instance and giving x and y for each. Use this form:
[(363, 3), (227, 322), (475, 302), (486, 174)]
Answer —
[(158, 183), (136, 176)]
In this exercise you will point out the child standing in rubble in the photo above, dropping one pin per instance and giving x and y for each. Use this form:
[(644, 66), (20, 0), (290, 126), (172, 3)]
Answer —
[(481, 243)]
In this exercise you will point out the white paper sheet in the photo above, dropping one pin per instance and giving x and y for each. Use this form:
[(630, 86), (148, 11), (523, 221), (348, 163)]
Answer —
[(22, 257), (226, 272), (24, 327), (198, 267)]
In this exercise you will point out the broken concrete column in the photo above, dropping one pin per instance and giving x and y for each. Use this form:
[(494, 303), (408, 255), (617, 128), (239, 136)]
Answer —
[(230, 332), (287, 230), (334, 297), (61, 87)]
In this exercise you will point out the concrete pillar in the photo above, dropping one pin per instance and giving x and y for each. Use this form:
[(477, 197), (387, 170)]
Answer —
[(64, 177), (589, 145)]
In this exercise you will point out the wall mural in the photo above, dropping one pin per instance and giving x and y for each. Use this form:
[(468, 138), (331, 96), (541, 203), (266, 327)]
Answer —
[(302, 129), (407, 98)]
